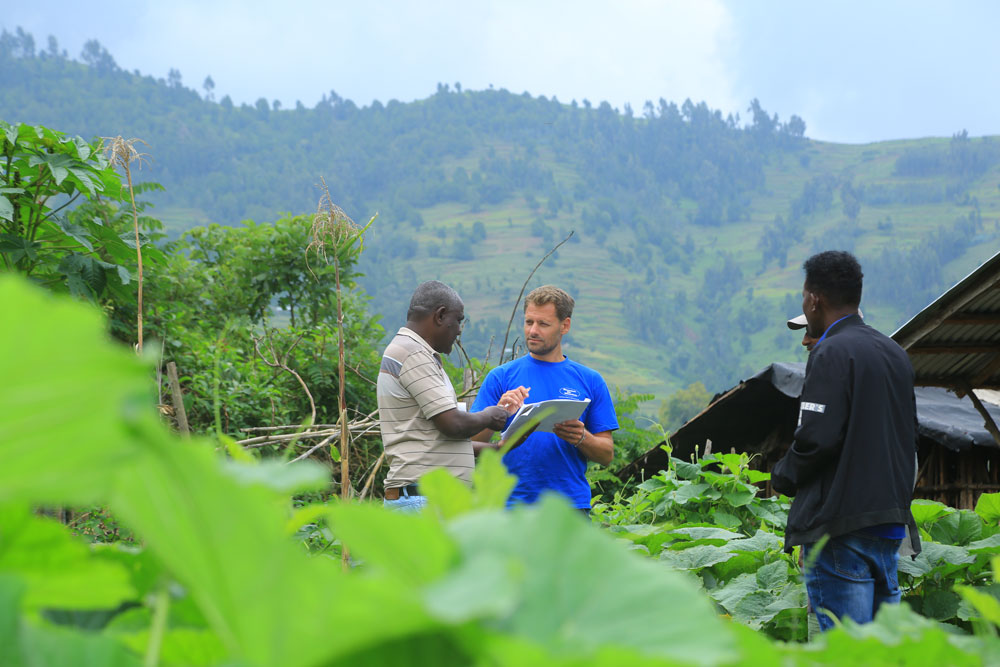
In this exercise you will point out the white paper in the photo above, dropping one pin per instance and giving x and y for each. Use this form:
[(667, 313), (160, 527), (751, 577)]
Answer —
[(562, 410)]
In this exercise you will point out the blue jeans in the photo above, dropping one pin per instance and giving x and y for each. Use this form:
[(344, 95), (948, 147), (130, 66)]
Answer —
[(408, 504), (852, 575)]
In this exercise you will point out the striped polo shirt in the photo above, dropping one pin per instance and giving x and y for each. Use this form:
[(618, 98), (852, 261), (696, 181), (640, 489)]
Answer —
[(412, 388)]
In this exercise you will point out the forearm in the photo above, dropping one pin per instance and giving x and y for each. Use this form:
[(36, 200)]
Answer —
[(457, 424), (597, 447), (478, 446)]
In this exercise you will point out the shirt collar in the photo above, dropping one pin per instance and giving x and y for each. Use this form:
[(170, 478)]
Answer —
[(410, 333), (821, 338)]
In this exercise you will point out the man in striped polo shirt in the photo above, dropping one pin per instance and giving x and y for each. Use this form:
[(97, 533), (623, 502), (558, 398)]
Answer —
[(422, 426)]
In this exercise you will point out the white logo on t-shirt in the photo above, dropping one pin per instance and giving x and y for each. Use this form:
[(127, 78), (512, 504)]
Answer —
[(566, 392)]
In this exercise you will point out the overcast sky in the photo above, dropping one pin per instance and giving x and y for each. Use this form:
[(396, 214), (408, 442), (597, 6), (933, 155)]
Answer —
[(855, 71)]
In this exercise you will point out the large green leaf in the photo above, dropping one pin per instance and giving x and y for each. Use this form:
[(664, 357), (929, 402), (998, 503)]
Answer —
[(23, 644), (183, 647), (485, 586), (934, 555), (761, 541), (58, 164), (57, 647), (59, 571), (83, 270), (265, 599), (927, 511), (689, 492), (988, 507), (491, 481), (754, 609), (773, 575), (897, 636), (696, 557), (959, 528), (940, 604), (684, 469), (734, 591), (11, 590), (984, 600), (6, 208), (706, 532), (78, 233), (17, 248), (990, 544), (364, 528), (739, 497), (445, 494), (281, 477), (64, 427), (581, 591)]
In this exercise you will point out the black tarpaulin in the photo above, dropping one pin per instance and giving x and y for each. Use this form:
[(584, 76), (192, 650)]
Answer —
[(767, 404)]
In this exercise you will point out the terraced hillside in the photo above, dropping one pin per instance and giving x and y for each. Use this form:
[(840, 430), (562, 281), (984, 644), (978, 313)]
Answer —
[(689, 228)]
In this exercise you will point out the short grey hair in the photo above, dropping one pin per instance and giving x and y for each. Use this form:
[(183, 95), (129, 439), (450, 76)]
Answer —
[(429, 296)]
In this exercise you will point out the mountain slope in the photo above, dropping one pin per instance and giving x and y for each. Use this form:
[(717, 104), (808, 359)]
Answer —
[(689, 228)]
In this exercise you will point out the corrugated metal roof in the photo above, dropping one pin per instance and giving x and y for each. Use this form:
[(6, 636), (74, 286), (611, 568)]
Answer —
[(955, 341)]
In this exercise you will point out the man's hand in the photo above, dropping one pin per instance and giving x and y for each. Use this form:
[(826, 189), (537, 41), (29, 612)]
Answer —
[(571, 431), (497, 416), (599, 447), (459, 424), (513, 399)]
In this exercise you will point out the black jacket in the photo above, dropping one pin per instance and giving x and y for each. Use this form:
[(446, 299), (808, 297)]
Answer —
[(852, 462)]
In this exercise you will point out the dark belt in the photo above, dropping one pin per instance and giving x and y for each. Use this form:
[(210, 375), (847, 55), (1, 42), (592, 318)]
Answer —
[(395, 492)]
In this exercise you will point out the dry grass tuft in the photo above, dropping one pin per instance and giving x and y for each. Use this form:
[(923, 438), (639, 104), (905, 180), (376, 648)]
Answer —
[(330, 226), (122, 153)]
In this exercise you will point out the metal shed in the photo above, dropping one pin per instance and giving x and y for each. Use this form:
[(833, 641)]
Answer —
[(958, 458), (955, 341)]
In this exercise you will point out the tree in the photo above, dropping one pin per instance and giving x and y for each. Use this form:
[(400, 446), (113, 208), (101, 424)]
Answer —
[(97, 56), (209, 87), (224, 285), (684, 404)]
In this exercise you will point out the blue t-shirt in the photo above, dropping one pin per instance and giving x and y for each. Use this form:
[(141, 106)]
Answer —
[(545, 461)]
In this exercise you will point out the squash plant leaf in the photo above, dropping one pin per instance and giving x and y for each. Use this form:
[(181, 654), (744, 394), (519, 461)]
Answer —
[(960, 528), (445, 494), (380, 538), (761, 541), (926, 512), (72, 384), (988, 507), (60, 572), (705, 532), (581, 590), (282, 478), (491, 482), (696, 557)]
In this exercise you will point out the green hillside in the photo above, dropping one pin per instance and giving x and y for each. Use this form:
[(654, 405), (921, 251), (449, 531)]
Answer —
[(689, 228)]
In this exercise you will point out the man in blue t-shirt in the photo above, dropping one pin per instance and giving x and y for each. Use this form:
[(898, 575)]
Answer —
[(551, 461)]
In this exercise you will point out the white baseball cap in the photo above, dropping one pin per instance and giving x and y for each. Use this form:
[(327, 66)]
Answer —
[(800, 321)]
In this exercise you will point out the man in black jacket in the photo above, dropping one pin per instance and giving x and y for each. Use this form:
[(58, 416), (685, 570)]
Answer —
[(850, 468)]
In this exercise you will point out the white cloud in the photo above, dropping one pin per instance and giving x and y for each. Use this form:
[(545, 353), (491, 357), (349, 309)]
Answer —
[(627, 51)]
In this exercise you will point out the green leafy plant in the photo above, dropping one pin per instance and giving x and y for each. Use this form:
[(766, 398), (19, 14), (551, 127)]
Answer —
[(46, 232), (222, 578)]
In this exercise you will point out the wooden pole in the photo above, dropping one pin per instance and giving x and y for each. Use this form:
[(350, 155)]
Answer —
[(988, 422), (177, 398)]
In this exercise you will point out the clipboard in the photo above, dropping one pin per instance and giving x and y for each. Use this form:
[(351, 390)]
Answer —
[(558, 409)]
